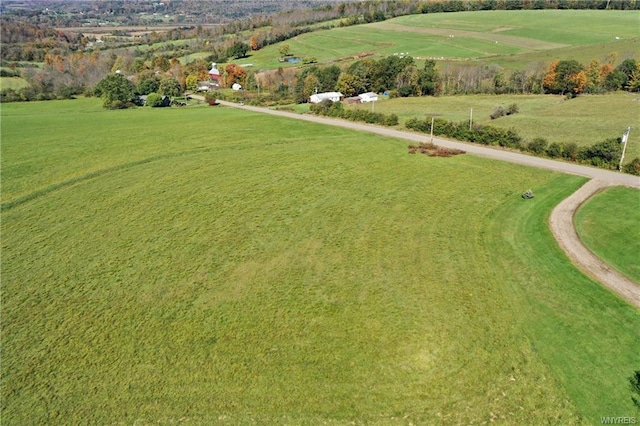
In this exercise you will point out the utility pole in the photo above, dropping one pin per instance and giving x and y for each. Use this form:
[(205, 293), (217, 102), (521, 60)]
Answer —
[(431, 129), (625, 138), (470, 118)]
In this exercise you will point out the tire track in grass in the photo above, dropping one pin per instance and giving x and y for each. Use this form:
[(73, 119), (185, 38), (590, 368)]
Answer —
[(8, 205), (561, 220)]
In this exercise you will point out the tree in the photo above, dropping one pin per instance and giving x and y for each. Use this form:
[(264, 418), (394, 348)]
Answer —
[(428, 78), (192, 82), (328, 77), (170, 87), (253, 43), (565, 77), (628, 67), (238, 50), (162, 63), (116, 91), (347, 84), (285, 50), (234, 74), (147, 85)]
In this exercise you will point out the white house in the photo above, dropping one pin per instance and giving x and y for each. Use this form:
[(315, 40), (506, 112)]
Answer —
[(319, 97), (368, 97)]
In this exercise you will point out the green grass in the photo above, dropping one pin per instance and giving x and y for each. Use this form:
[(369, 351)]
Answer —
[(513, 39), (213, 265), (585, 120), (13, 83), (608, 225)]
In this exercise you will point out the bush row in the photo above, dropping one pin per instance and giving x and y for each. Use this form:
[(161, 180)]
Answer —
[(478, 133), (605, 154), (336, 109)]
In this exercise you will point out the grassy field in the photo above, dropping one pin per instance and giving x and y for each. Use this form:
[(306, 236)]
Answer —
[(584, 120), (14, 83), (509, 38), (209, 265), (608, 225)]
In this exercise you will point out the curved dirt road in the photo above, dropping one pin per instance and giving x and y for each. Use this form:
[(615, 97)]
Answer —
[(561, 219), (562, 226)]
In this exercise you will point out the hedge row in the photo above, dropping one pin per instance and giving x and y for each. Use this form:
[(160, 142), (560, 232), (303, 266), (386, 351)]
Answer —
[(335, 109), (605, 154), (485, 135)]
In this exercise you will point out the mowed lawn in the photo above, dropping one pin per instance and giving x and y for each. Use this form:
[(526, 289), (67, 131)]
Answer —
[(609, 225), (585, 120), (210, 265)]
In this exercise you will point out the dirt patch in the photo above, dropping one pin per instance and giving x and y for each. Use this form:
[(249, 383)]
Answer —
[(433, 150)]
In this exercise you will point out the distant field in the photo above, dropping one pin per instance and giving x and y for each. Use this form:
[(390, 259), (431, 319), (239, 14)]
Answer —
[(207, 264), (14, 83), (608, 225), (584, 120), (503, 37)]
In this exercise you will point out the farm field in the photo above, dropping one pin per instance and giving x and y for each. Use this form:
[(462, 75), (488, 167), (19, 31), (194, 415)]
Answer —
[(600, 224), (585, 120), (14, 83), (165, 265), (500, 37)]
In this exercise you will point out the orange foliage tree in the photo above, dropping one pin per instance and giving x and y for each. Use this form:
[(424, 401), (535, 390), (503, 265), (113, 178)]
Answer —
[(234, 74)]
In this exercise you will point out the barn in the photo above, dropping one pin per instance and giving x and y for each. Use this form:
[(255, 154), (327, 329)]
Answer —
[(214, 73)]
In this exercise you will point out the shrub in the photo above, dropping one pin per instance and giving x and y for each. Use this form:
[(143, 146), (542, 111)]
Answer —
[(603, 154), (570, 151), (210, 98), (497, 112), (537, 146), (513, 109), (555, 150), (154, 100), (633, 167)]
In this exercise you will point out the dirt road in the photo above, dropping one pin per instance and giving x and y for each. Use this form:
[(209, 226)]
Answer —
[(561, 220), (562, 226)]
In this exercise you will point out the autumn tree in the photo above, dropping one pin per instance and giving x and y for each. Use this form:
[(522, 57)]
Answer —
[(234, 74), (162, 63), (285, 50), (253, 43), (565, 77), (191, 82)]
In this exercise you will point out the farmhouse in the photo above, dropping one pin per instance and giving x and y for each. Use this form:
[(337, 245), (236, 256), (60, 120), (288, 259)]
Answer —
[(205, 86), (368, 97), (319, 97)]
